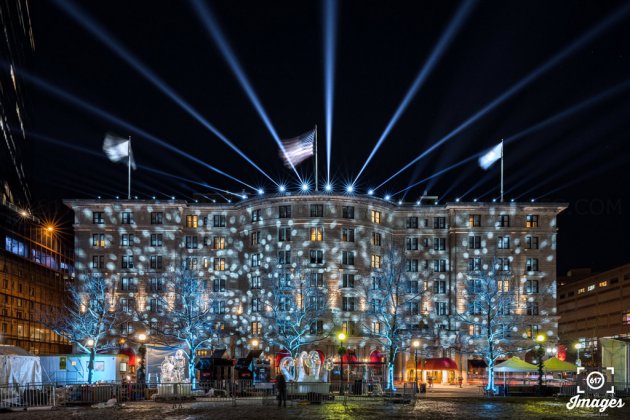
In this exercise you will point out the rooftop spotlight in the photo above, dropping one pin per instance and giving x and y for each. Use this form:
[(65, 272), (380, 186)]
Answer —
[(417, 203), (494, 200), (282, 188), (512, 200), (387, 197), (533, 199), (173, 198), (153, 197), (370, 192), (328, 187), (350, 188), (399, 202), (475, 200), (99, 197), (244, 196), (136, 197), (261, 191), (305, 187), (457, 200), (117, 197)]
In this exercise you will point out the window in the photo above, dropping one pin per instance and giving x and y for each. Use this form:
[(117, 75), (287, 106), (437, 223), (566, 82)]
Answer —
[(347, 257), (531, 221), (439, 266), (156, 239), (126, 261), (532, 308), (317, 234), (532, 264), (376, 305), (441, 308), (97, 218), (475, 308), (256, 284), (376, 217), (412, 266), (474, 220), (284, 234), (412, 244), (376, 261), (284, 280), (412, 222), (532, 331), (284, 257), (347, 280), (155, 262), (256, 260), (317, 256), (347, 234), (412, 286), (317, 327), (503, 264), (255, 238), (157, 218), (191, 263), (317, 210), (531, 242), (218, 242), (377, 327), (98, 261), (124, 283), (218, 285), (126, 239), (504, 220), (284, 304), (347, 212), (219, 264), (156, 284), (503, 285), (126, 218), (191, 242), (603, 284), (124, 305), (349, 328), (503, 242), (413, 308), (255, 327), (376, 239), (192, 221), (439, 286), (531, 287), (439, 222), (98, 240), (256, 216), (284, 212), (218, 220), (348, 303), (626, 318), (474, 330), (376, 283), (474, 242), (316, 280), (504, 308), (439, 244)]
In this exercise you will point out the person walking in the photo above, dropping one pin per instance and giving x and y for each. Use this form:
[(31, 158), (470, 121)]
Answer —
[(281, 383)]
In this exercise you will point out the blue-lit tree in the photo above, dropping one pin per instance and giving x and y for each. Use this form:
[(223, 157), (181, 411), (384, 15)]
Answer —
[(490, 311), (184, 316), (395, 298), (88, 317)]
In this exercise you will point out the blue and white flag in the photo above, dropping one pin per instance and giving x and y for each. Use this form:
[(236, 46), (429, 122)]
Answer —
[(298, 148), (491, 156)]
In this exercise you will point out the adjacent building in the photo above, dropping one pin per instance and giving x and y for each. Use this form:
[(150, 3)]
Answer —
[(341, 242)]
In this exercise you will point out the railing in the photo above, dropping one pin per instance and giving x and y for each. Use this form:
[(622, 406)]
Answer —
[(31, 395)]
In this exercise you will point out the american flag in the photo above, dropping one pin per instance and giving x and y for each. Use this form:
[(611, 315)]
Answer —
[(298, 148)]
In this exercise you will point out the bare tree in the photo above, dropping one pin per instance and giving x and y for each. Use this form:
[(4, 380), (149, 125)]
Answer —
[(395, 302), (492, 299), (183, 315), (294, 309), (88, 317)]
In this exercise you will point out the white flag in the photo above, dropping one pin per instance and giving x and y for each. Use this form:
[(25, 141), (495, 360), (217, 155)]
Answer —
[(118, 148), (491, 156), (298, 148)]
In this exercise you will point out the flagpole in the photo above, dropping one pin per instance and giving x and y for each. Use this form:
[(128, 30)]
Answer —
[(502, 170), (315, 145), (129, 169)]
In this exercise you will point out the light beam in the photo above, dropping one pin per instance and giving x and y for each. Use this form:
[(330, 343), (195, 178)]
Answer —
[(329, 18)]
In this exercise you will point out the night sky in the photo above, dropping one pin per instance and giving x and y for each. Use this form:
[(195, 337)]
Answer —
[(580, 158)]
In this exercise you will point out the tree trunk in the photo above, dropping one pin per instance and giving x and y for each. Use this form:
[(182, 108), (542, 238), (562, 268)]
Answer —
[(91, 364), (191, 369), (390, 375)]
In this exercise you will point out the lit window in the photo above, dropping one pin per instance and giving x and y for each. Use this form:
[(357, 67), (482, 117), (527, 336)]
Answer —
[(219, 264), (531, 221), (192, 221), (581, 290), (255, 328), (376, 217), (317, 233), (98, 240), (603, 283), (376, 261), (219, 242), (474, 220)]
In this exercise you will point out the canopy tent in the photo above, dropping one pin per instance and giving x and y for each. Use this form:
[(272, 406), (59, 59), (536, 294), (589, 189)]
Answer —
[(515, 364), (554, 364), (17, 366)]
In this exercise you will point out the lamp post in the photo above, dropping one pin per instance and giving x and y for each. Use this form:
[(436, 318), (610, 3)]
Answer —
[(578, 347), (341, 336), (416, 344), (540, 352), (142, 351), (254, 346)]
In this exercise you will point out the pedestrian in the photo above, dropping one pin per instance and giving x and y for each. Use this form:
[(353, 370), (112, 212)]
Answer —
[(461, 381), (281, 383), (430, 380)]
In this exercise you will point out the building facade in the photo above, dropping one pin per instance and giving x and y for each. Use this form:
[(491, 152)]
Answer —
[(337, 245), (593, 307)]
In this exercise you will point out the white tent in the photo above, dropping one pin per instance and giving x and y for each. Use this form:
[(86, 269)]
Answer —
[(17, 366)]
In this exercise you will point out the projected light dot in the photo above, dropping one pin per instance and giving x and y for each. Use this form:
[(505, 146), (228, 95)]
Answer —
[(328, 188), (99, 197), (305, 187), (153, 197), (349, 188), (417, 203), (117, 198), (370, 192), (282, 188)]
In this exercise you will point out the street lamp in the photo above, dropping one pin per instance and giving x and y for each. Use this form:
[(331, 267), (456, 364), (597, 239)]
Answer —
[(416, 344), (341, 336), (578, 347), (540, 352), (254, 345), (142, 351)]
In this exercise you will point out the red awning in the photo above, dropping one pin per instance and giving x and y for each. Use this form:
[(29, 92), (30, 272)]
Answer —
[(349, 358), (281, 355), (376, 357), (440, 363), (128, 351)]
